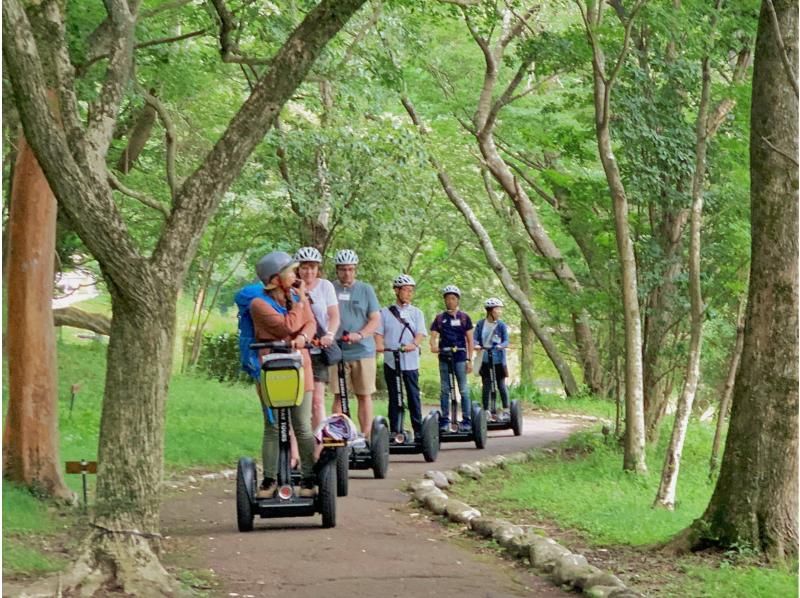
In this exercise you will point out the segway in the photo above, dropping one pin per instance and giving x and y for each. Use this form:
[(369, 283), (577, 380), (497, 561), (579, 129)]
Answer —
[(512, 420), (402, 443), (281, 389), (361, 454), (478, 433)]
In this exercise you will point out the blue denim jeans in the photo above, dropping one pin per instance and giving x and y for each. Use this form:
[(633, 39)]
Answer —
[(444, 398)]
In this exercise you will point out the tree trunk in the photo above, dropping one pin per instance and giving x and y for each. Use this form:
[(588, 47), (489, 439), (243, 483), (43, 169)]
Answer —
[(77, 318), (526, 335), (567, 379), (727, 392), (130, 453), (665, 497), (30, 439), (634, 458), (587, 349), (755, 501)]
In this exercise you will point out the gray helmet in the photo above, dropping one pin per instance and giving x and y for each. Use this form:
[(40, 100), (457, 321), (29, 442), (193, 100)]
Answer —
[(308, 254), (493, 302), (272, 264), (451, 289), (403, 280), (345, 257)]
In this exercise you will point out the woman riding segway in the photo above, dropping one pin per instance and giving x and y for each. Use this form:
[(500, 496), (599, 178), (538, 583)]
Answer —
[(283, 324), (491, 335)]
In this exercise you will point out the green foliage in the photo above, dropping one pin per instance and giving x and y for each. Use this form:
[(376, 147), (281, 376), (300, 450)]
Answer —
[(219, 358)]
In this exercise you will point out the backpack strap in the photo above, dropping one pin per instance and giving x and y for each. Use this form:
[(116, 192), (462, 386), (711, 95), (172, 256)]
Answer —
[(396, 313)]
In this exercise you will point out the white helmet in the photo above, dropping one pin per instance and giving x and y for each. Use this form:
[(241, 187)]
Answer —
[(493, 302), (403, 280), (308, 254), (345, 257), (451, 289)]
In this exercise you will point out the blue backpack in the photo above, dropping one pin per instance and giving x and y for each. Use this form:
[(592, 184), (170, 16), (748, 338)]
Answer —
[(247, 356)]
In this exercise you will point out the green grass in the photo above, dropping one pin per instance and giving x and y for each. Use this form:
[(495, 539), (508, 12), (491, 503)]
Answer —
[(728, 581), (26, 517), (582, 487)]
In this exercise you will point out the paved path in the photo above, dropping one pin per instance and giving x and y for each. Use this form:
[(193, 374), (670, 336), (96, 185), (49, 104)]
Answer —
[(378, 548)]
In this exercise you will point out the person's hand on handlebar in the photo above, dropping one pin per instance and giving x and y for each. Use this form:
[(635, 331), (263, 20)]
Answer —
[(408, 348), (300, 341), (327, 340)]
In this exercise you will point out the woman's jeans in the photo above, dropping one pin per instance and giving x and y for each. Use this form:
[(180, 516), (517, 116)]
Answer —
[(444, 398), (301, 424), (500, 379)]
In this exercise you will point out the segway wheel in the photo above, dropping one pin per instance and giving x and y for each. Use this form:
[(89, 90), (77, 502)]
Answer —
[(516, 418), (342, 467), (245, 494), (379, 448), (326, 483), (479, 428), (430, 437)]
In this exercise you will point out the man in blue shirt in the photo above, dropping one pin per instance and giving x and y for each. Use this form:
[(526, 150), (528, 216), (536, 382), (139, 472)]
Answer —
[(359, 310), (452, 329), (402, 328)]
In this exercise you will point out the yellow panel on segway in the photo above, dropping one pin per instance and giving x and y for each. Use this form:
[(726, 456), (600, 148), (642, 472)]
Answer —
[(282, 380)]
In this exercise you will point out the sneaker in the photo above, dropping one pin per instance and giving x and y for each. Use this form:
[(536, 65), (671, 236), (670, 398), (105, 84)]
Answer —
[(465, 426), (267, 489), (307, 488), (444, 426)]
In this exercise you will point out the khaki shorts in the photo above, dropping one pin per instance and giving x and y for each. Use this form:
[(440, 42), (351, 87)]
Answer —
[(360, 377)]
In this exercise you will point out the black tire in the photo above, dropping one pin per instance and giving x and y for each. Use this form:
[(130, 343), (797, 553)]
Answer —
[(326, 483), (479, 428), (379, 448), (430, 437), (516, 418), (245, 494), (342, 469)]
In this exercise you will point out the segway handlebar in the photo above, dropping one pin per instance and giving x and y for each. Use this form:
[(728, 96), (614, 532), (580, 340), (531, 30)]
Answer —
[(278, 345), (451, 349)]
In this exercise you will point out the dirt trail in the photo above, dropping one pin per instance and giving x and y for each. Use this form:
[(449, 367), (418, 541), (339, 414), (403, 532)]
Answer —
[(378, 548)]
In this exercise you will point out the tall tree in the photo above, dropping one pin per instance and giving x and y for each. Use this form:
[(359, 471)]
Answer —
[(30, 438), (755, 501), (143, 288), (604, 79)]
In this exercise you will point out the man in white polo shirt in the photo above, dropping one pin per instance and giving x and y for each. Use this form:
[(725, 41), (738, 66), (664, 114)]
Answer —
[(402, 327)]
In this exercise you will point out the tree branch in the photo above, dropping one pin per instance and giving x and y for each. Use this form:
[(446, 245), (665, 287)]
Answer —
[(77, 318), (169, 136), (229, 48), (787, 65), (137, 195), (201, 192), (103, 111), (153, 42)]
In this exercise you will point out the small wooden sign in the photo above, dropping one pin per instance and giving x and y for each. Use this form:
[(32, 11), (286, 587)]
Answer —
[(81, 466)]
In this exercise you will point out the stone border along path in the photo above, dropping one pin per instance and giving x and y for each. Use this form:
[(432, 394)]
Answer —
[(525, 543)]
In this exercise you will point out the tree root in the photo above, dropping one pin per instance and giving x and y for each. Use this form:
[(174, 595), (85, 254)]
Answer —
[(122, 564)]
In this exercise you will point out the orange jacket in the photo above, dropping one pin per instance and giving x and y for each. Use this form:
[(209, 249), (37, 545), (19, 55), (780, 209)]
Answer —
[(270, 325)]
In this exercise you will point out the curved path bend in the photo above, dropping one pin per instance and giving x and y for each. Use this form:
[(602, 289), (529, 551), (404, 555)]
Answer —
[(381, 546)]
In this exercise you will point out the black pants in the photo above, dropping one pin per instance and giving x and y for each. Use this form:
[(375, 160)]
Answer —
[(500, 378), (411, 383)]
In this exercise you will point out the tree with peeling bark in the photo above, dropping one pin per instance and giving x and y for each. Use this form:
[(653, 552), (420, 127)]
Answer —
[(494, 261), (122, 549), (666, 494), (755, 501), (604, 78), (512, 31)]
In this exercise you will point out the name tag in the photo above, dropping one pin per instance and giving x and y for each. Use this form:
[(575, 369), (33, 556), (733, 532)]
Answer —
[(344, 296), (455, 323)]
